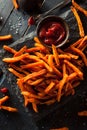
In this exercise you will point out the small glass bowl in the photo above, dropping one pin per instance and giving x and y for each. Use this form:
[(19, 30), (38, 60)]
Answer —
[(53, 18)]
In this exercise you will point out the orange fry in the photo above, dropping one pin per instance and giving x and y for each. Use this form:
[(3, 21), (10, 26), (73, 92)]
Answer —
[(10, 109), (19, 69), (63, 128), (34, 74), (49, 87), (77, 42), (82, 113), (80, 74), (79, 52), (55, 53), (16, 73), (50, 62), (35, 49), (82, 42), (9, 49), (34, 105), (15, 59), (2, 100), (72, 76), (36, 82), (21, 51), (15, 4), (6, 37), (60, 87), (31, 65), (81, 30), (78, 7)]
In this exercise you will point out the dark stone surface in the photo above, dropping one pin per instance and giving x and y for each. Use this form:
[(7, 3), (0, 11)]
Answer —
[(54, 116)]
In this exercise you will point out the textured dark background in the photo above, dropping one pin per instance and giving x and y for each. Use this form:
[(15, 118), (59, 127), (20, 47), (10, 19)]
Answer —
[(59, 114)]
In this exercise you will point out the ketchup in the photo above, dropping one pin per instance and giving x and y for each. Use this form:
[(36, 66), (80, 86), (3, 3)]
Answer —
[(31, 21), (52, 33)]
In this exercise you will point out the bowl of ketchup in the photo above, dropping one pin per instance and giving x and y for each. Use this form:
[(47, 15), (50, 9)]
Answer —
[(53, 30)]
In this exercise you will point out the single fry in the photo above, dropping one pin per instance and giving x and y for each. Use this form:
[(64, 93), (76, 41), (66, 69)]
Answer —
[(15, 4), (82, 42), (49, 87), (82, 113), (34, 105), (10, 109), (78, 7), (5, 37), (31, 65), (79, 52), (34, 74), (55, 53), (50, 62), (80, 74), (60, 87), (9, 49), (15, 59), (21, 51), (72, 76), (16, 73), (36, 82), (63, 128), (4, 99), (81, 30), (77, 42)]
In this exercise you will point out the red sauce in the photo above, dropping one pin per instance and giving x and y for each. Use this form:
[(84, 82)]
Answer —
[(31, 21), (4, 90), (52, 33)]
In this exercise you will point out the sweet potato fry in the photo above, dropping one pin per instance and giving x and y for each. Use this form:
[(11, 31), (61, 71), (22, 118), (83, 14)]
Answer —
[(15, 4), (19, 69), (82, 42), (55, 53), (21, 51), (78, 7), (63, 128), (9, 49), (60, 87), (49, 87), (15, 59), (4, 99), (41, 56), (36, 82), (80, 74), (72, 76), (77, 42), (82, 113), (34, 74), (5, 37), (64, 56), (49, 102), (34, 105), (81, 30), (50, 62), (73, 56), (10, 109), (35, 49), (16, 73), (31, 65), (79, 52)]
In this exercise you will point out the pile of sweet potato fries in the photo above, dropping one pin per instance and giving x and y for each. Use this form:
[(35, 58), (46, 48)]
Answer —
[(44, 75)]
